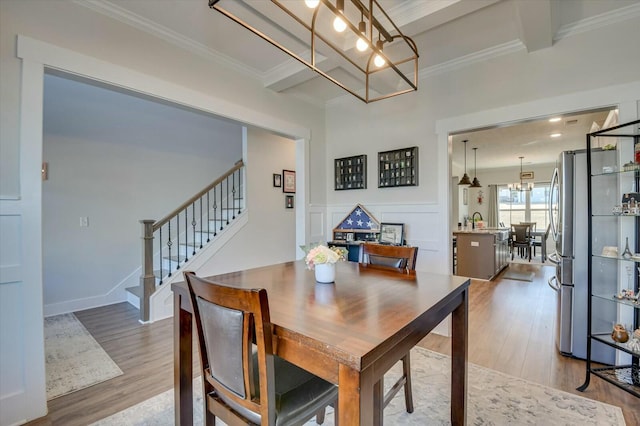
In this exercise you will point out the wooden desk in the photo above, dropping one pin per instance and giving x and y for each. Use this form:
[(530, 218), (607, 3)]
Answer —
[(349, 333)]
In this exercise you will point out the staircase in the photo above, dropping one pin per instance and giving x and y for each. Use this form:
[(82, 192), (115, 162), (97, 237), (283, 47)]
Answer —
[(175, 241)]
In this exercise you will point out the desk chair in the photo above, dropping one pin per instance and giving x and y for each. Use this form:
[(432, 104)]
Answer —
[(244, 382), (400, 259), (521, 239)]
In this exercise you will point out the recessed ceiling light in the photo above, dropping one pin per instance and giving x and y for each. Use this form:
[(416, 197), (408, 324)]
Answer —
[(554, 119), (555, 135)]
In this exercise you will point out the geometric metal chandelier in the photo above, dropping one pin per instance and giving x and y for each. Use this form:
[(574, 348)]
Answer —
[(352, 43)]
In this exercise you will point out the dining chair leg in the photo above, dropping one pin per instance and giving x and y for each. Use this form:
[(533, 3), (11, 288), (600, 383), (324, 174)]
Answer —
[(320, 416)]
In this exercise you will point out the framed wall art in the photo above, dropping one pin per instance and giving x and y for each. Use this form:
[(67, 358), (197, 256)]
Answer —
[(398, 167), (277, 180), (350, 173), (392, 233), (288, 201), (288, 181)]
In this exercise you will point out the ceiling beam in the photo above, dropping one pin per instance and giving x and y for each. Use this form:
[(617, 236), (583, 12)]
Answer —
[(534, 23)]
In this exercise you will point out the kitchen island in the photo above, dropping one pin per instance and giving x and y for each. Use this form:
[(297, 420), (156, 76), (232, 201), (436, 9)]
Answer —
[(482, 253)]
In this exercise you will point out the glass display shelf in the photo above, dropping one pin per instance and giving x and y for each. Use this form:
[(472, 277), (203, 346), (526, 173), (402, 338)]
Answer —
[(606, 339), (624, 376), (617, 172), (614, 215), (613, 298), (631, 259)]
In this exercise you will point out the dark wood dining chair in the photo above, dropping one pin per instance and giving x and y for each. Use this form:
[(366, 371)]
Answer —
[(399, 259), (243, 381), (542, 244), (521, 239)]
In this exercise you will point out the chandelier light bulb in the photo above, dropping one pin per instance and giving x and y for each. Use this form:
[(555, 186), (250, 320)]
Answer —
[(312, 4), (361, 44), (339, 25), (379, 60)]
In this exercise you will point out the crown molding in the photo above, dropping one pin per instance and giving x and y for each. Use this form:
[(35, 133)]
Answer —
[(598, 21), (472, 58), (146, 25)]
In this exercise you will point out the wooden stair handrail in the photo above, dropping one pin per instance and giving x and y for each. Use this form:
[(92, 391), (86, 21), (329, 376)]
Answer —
[(239, 164)]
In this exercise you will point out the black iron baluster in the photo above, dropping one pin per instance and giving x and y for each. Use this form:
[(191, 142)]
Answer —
[(227, 179), (208, 218), (194, 241), (221, 208), (160, 245), (233, 195), (178, 240), (193, 225), (215, 209), (169, 244), (240, 190)]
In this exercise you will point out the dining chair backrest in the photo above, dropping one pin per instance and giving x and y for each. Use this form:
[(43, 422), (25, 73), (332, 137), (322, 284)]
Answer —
[(398, 258), (532, 225), (521, 233), (244, 382)]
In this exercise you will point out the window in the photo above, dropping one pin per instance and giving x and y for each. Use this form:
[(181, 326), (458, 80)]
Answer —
[(524, 206)]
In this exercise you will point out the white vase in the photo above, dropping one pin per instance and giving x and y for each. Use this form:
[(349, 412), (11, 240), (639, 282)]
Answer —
[(325, 272)]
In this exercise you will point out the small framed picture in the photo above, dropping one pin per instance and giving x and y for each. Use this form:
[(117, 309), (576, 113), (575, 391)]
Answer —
[(289, 181), (392, 233), (465, 196), (277, 180), (288, 201)]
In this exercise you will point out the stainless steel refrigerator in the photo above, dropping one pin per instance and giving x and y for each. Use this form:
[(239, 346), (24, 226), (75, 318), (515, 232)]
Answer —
[(569, 225)]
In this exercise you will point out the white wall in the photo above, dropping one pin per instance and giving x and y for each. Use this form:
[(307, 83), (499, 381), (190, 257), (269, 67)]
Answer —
[(116, 159), (270, 235), (505, 88)]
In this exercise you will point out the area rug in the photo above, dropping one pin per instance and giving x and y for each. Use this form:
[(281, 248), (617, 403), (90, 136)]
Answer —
[(518, 276), (493, 398), (74, 360)]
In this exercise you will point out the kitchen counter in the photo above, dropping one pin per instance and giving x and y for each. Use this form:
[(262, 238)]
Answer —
[(482, 253)]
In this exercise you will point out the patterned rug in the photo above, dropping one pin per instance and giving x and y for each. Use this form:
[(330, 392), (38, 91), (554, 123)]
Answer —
[(493, 398), (74, 360)]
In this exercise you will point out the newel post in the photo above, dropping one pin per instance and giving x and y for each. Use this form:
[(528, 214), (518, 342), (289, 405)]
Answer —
[(147, 279)]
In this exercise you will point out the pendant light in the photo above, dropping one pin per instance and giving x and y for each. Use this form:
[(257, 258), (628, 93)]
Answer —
[(521, 186), (476, 182), (465, 178)]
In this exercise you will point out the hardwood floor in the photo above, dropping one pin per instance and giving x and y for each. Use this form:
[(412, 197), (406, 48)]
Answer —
[(511, 329)]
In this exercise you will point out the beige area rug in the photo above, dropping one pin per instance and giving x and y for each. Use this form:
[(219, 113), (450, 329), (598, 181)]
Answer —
[(518, 276), (74, 360), (494, 398)]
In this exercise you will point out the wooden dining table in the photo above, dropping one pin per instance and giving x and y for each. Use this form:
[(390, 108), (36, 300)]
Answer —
[(349, 332)]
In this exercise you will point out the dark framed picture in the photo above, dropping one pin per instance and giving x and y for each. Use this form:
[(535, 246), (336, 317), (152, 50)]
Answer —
[(288, 201), (277, 180), (392, 233), (289, 181)]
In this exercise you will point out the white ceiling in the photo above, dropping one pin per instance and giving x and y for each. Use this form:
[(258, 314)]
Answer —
[(448, 35)]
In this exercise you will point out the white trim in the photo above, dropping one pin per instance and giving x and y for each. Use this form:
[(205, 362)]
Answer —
[(588, 24), (472, 58)]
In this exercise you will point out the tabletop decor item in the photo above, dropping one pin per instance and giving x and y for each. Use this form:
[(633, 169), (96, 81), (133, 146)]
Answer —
[(619, 333), (323, 260)]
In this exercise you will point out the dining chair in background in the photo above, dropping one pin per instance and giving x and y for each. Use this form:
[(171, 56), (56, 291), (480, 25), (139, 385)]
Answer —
[(243, 381), (521, 239), (402, 260), (542, 243)]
